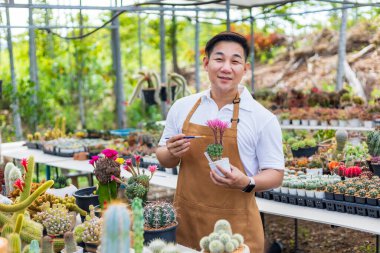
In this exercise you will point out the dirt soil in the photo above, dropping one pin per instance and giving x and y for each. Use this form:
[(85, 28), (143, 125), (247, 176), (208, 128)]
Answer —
[(317, 238)]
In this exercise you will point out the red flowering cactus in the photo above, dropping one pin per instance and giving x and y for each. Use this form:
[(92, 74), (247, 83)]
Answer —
[(20, 184), (217, 126), (24, 163), (353, 171)]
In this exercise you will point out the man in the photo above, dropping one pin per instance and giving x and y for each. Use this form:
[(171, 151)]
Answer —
[(253, 144)]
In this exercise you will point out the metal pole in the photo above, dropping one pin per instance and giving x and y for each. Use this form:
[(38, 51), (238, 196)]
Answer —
[(228, 15), (197, 60), (139, 39), (252, 56), (377, 244), (33, 68), (162, 59), (119, 89), (15, 104), (341, 50), (80, 75), (295, 235)]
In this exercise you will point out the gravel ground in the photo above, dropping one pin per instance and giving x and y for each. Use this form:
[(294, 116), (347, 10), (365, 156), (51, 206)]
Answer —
[(317, 238)]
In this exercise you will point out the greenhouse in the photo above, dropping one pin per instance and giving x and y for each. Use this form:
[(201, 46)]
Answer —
[(190, 126)]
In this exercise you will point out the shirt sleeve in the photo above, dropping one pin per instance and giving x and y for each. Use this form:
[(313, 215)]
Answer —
[(269, 149), (171, 126)]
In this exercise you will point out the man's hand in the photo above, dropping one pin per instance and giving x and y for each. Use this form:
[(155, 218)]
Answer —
[(177, 145), (234, 179)]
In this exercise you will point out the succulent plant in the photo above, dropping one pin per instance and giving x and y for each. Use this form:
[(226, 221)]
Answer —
[(205, 243), (57, 220), (350, 191), (47, 245), (170, 248), (216, 246), (330, 188), (138, 225), (374, 193), (373, 142), (159, 214), (359, 185), (70, 244), (362, 193), (156, 245), (92, 227), (341, 188), (215, 151), (60, 182), (223, 226), (137, 187)]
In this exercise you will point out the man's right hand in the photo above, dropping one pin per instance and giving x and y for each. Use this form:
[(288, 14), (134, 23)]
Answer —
[(177, 145)]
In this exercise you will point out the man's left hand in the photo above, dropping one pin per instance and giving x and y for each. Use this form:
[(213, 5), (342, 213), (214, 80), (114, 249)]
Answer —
[(234, 179)]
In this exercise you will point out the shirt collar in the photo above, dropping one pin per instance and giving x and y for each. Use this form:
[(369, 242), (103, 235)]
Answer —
[(246, 98)]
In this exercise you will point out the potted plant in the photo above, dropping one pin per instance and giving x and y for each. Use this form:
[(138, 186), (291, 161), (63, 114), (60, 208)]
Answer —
[(293, 188), (329, 191), (375, 164), (360, 196), (160, 221), (284, 117), (349, 194), (285, 186), (91, 230), (226, 242), (310, 189), (320, 191), (152, 92), (373, 142), (373, 196), (354, 113), (342, 118), (366, 118), (70, 244), (61, 188), (214, 151), (340, 190), (295, 116), (301, 189), (138, 184), (307, 147)]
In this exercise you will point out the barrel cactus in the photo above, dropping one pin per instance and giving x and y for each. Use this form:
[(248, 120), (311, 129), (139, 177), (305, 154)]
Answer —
[(159, 214)]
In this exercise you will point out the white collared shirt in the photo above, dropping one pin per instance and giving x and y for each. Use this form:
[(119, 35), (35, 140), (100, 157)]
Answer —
[(259, 133)]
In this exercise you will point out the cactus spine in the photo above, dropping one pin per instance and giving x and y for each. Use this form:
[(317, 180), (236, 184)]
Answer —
[(70, 244), (159, 214), (138, 225), (115, 235)]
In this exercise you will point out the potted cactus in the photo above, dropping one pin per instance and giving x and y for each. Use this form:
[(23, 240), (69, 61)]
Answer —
[(70, 244), (320, 190), (310, 188), (301, 189), (285, 186), (306, 148), (223, 240), (92, 230), (373, 196), (349, 194), (329, 191), (160, 221), (293, 188), (214, 151), (360, 196), (373, 142), (340, 191)]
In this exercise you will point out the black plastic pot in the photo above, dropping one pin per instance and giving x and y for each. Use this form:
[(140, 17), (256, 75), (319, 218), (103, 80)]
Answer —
[(164, 94), (376, 169), (338, 196), (329, 195), (349, 198), (166, 234), (304, 152), (84, 198), (372, 202), (149, 96), (360, 200)]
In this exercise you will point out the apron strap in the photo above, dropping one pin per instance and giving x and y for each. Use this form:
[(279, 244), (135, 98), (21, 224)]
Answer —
[(235, 115), (187, 120)]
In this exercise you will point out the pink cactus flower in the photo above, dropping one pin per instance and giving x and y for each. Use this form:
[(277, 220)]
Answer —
[(113, 178), (137, 157), (110, 153), (24, 163), (19, 184), (92, 162), (95, 158), (128, 162), (152, 168), (126, 167)]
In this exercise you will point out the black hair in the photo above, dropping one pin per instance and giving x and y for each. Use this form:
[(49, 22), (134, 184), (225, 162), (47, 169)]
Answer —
[(228, 36)]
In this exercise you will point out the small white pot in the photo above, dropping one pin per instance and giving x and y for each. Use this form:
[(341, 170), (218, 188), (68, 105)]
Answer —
[(320, 194), (292, 191), (296, 122), (285, 122), (284, 190), (278, 189), (313, 122), (342, 123), (304, 122), (368, 123), (301, 192), (309, 194), (69, 190), (324, 123), (315, 172), (79, 250), (334, 122), (354, 123), (224, 163)]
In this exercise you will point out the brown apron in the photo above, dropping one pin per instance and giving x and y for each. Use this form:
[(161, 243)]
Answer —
[(200, 203)]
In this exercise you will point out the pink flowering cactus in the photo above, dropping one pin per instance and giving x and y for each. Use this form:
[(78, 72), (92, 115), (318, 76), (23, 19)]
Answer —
[(217, 126)]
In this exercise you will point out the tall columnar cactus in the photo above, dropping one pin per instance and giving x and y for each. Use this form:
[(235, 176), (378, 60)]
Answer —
[(15, 243), (47, 245), (373, 142), (12, 173), (138, 225), (116, 225), (341, 137), (159, 214), (70, 244), (22, 205), (34, 247)]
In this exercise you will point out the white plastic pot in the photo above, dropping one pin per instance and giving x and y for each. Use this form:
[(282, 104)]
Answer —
[(224, 163)]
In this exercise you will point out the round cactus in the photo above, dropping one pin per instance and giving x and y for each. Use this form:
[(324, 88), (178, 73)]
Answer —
[(359, 185), (214, 236), (159, 214), (224, 238), (351, 191), (205, 243), (373, 193), (156, 245), (330, 188), (362, 193), (239, 238), (215, 151), (216, 246), (92, 230), (223, 225), (229, 247), (342, 188), (170, 248)]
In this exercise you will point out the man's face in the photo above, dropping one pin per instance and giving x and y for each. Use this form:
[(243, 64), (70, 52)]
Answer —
[(226, 66)]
